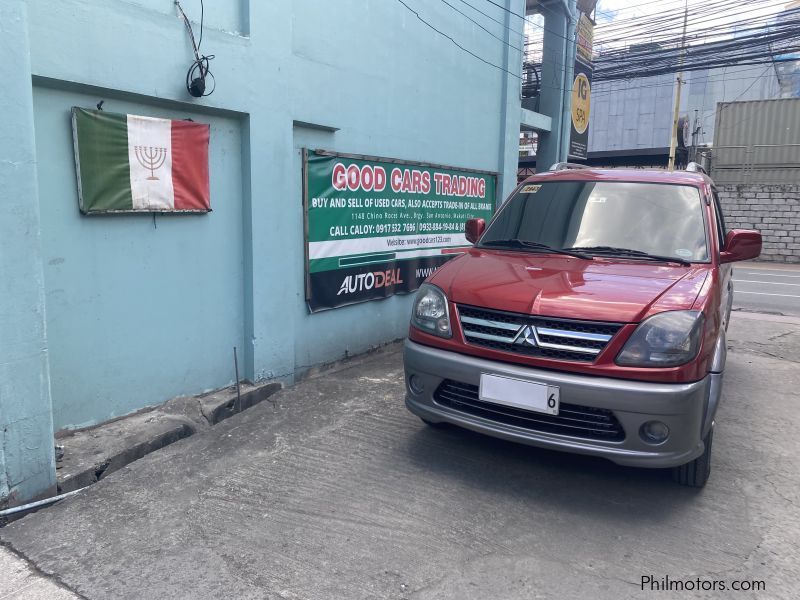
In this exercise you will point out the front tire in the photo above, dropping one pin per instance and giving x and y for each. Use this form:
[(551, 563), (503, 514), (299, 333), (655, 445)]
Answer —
[(695, 473)]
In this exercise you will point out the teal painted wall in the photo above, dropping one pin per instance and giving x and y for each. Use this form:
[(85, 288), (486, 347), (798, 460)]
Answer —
[(136, 314), (27, 466), (138, 310)]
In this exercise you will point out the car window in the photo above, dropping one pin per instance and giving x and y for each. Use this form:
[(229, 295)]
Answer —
[(656, 218), (722, 231)]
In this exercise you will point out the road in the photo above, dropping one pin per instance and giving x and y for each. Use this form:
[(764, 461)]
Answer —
[(333, 490), (766, 287)]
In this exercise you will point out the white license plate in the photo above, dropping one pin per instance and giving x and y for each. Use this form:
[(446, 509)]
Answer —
[(518, 393)]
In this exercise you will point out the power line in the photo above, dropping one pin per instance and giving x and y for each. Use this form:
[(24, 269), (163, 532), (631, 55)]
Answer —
[(765, 41), (470, 52), (526, 20), (671, 83), (759, 43), (490, 17), (466, 16)]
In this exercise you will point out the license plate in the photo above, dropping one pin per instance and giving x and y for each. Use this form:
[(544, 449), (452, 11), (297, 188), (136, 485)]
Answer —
[(518, 393)]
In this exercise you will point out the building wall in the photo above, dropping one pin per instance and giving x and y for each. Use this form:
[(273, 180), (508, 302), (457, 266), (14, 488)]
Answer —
[(637, 113), (772, 209), (137, 310), (27, 464)]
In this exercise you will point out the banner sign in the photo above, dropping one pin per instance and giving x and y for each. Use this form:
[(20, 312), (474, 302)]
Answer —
[(581, 105), (585, 35), (376, 227), (130, 163)]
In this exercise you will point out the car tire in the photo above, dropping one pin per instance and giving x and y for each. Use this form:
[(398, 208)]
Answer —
[(695, 473), (432, 424)]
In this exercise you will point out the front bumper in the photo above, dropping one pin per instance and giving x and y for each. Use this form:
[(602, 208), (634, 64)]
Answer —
[(686, 408)]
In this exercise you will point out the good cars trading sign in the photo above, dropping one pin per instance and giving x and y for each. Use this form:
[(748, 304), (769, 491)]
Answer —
[(376, 227)]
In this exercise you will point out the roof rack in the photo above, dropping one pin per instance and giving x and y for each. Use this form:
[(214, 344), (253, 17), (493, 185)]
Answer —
[(694, 167), (565, 166)]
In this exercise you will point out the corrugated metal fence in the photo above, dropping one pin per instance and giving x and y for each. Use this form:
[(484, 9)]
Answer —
[(757, 142)]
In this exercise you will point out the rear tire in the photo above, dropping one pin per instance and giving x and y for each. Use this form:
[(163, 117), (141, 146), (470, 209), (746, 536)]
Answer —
[(695, 473)]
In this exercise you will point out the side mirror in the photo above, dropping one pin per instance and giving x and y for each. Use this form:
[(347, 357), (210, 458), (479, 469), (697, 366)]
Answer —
[(741, 244), (473, 230)]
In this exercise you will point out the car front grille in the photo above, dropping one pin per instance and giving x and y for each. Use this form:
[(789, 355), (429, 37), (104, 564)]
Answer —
[(564, 339), (572, 420)]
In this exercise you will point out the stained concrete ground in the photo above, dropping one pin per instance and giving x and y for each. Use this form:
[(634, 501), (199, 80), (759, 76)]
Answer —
[(331, 489), (20, 581)]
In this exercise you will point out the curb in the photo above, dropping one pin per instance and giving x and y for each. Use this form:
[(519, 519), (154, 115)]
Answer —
[(91, 454)]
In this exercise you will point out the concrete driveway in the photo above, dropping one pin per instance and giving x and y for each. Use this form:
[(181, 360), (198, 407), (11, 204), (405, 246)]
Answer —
[(333, 490)]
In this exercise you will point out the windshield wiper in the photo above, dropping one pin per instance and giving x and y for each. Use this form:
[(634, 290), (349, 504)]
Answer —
[(630, 253), (536, 246)]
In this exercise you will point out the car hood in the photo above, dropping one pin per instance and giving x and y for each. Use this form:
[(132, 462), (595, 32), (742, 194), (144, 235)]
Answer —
[(617, 290)]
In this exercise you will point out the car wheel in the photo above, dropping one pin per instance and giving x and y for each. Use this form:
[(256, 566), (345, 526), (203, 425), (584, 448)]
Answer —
[(432, 424), (695, 473)]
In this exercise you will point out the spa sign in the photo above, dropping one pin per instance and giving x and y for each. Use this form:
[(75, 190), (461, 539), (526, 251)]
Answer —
[(376, 227)]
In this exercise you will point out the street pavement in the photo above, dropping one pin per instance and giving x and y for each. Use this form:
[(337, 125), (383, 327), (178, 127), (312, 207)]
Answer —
[(767, 287), (331, 489), (19, 580)]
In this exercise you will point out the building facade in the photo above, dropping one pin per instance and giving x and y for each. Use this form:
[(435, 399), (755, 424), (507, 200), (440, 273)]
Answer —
[(103, 315), (633, 118)]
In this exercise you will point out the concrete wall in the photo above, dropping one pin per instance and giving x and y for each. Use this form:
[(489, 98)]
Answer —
[(131, 311), (138, 309), (772, 209), (27, 466)]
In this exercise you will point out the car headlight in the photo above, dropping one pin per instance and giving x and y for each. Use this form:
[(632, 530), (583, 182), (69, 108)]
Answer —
[(667, 339), (430, 312)]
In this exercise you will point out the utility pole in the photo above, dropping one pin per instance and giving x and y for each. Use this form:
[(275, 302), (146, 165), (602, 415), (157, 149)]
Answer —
[(673, 142)]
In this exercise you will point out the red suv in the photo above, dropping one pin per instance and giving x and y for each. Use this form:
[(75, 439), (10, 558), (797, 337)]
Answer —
[(589, 317)]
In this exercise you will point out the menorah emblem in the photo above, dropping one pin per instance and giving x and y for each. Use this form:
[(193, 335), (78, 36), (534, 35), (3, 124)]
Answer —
[(151, 157)]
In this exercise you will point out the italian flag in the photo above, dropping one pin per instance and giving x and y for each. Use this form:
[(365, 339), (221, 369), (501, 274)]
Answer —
[(131, 163)]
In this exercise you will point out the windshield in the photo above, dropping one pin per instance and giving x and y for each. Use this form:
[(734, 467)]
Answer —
[(659, 219)]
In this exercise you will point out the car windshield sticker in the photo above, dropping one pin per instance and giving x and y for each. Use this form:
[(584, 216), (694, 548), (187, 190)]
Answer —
[(684, 252), (530, 189)]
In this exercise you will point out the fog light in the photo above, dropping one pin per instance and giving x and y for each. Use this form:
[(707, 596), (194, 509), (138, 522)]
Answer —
[(416, 385), (443, 325), (654, 432)]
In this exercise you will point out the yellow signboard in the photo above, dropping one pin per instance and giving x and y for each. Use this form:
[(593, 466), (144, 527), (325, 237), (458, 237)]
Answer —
[(581, 102)]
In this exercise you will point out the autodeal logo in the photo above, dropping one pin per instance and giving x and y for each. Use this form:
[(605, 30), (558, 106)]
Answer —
[(369, 281)]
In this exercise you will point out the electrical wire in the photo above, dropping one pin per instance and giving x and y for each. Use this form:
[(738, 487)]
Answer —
[(529, 22), (602, 91), (470, 52), (491, 18), (763, 41), (466, 16), (199, 69)]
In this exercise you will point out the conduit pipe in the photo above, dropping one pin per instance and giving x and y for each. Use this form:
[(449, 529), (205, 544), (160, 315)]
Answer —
[(18, 509)]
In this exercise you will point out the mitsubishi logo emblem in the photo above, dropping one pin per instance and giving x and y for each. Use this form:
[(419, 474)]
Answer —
[(526, 336)]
